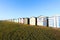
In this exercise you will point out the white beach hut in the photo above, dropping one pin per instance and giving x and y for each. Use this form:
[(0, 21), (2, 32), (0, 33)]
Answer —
[(54, 21), (12, 20), (16, 20), (58, 22), (9, 20), (42, 21), (51, 21), (21, 20), (33, 21)]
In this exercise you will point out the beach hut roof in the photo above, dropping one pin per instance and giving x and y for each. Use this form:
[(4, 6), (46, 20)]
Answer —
[(41, 16), (33, 17)]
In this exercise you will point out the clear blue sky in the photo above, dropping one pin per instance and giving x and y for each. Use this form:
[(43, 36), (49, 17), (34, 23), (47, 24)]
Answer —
[(27, 8)]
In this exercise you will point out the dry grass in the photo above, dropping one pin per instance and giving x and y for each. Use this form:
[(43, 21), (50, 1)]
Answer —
[(15, 31)]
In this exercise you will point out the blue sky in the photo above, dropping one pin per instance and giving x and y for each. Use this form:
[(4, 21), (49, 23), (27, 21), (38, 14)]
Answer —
[(27, 8)]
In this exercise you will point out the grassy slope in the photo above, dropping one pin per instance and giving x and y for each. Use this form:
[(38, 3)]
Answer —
[(14, 31)]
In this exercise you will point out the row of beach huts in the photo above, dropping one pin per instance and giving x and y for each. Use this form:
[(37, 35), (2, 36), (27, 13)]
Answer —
[(53, 21)]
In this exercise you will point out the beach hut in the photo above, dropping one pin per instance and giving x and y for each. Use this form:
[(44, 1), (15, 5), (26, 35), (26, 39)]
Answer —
[(26, 20), (58, 22), (54, 21), (33, 21), (12, 20), (42, 21), (51, 21), (21, 20), (9, 20), (16, 20)]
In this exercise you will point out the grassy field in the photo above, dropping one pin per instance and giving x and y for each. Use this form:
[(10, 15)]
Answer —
[(15, 31)]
